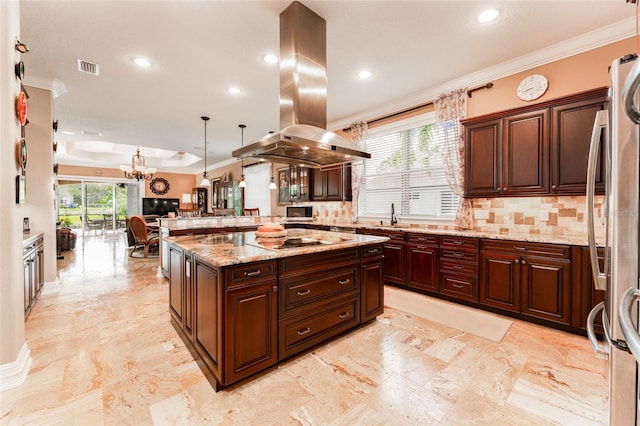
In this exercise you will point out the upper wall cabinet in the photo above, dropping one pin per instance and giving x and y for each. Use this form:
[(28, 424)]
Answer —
[(333, 184), (535, 150)]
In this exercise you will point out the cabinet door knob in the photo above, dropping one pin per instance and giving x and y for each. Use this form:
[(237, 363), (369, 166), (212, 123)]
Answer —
[(553, 187), (517, 260), (504, 189), (275, 288), (524, 262)]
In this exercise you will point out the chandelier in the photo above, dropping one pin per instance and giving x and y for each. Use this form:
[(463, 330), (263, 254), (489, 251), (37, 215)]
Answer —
[(138, 170)]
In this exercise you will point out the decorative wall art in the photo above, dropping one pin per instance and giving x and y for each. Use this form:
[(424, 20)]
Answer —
[(159, 186)]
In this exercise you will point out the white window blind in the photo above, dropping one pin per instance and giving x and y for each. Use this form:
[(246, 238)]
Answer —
[(406, 168), (257, 193)]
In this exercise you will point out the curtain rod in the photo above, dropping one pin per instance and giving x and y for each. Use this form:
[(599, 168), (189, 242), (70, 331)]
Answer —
[(417, 107)]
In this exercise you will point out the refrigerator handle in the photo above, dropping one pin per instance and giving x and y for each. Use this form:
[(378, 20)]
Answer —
[(626, 324), (599, 278), (628, 93), (600, 350)]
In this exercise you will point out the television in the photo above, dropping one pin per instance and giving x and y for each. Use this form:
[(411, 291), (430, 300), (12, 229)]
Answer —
[(160, 206)]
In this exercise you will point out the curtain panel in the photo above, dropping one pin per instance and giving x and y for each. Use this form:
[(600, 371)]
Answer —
[(359, 138), (450, 108)]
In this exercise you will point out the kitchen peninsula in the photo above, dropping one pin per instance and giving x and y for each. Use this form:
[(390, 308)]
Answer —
[(243, 304)]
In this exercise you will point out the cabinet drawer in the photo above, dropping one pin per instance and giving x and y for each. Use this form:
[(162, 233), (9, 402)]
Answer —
[(457, 267), (458, 243), (317, 262), (300, 333), (305, 292), (459, 286), (526, 248), (460, 256), (372, 251), (395, 236), (237, 276), (422, 238)]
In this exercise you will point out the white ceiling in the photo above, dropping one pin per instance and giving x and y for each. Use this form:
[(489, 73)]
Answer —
[(198, 49)]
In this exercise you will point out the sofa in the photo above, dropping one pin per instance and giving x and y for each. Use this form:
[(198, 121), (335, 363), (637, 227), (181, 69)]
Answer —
[(65, 239)]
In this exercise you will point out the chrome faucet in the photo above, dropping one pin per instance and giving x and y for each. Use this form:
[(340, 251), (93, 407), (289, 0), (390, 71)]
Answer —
[(394, 219)]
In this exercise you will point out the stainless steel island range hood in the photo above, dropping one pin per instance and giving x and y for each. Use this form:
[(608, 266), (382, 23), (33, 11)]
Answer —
[(303, 139)]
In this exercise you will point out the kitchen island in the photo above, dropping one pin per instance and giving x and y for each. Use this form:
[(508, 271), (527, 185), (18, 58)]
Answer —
[(242, 304)]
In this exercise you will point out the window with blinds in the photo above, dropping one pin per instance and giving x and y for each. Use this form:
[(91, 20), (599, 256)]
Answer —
[(407, 168)]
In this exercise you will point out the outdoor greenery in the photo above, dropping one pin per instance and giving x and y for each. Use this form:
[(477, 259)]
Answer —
[(419, 155), (99, 201)]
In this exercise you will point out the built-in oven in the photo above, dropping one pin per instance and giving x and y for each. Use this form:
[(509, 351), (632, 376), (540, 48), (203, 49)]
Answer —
[(300, 211)]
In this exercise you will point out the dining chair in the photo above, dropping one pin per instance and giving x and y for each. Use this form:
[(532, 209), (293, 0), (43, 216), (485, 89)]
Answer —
[(141, 235), (251, 212)]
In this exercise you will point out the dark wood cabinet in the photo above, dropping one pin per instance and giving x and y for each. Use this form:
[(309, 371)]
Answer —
[(422, 255), (585, 295), (371, 283), (176, 284), (533, 150), (533, 279), (33, 279), (459, 268), (395, 271), (333, 184), (294, 184), (251, 334), (483, 159), (525, 154), (572, 126)]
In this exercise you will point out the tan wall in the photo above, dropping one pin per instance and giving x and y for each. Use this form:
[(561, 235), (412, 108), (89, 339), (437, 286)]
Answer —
[(578, 73), (178, 183)]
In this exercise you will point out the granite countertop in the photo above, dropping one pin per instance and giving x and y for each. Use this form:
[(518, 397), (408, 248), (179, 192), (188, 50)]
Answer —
[(244, 247), (222, 222), (30, 237)]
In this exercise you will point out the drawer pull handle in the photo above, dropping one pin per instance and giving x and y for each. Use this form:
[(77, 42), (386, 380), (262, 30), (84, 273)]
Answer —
[(304, 293), (345, 281), (371, 251), (252, 273), (518, 248), (458, 254), (458, 243), (343, 315), (303, 331), (457, 285), (458, 267)]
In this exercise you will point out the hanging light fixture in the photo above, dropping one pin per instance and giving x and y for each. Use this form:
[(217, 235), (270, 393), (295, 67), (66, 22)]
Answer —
[(205, 179), (272, 184), (137, 170), (242, 183)]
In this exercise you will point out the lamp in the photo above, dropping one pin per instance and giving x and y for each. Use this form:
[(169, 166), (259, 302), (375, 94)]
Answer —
[(272, 184), (137, 170), (205, 179), (242, 183), (187, 199)]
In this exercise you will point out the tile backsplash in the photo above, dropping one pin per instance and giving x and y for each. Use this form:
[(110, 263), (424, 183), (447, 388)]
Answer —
[(555, 216), (550, 215)]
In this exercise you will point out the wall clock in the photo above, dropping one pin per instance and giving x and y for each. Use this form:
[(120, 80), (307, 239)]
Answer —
[(532, 87), (159, 186)]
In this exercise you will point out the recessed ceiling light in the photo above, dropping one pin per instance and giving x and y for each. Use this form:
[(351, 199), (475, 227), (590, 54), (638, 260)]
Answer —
[(234, 90), (86, 132), (488, 15), (364, 74), (68, 133), (142, 62), (270, 59)]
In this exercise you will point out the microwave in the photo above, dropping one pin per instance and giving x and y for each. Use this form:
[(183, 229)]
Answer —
[(300, 211)]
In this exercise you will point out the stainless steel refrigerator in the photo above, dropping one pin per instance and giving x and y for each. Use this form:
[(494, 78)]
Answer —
[(619, 276)]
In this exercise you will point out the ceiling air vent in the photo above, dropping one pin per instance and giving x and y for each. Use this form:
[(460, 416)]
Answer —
[(88, 67)]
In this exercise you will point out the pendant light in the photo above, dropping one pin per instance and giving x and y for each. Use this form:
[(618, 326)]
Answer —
[(242, 183), (205, 179)]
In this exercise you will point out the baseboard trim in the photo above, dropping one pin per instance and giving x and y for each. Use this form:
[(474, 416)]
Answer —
[(13, 374)]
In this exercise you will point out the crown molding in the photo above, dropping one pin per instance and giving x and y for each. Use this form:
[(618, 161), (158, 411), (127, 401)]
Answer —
[(573, 46)]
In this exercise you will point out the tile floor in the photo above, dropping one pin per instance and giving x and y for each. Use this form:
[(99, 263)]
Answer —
[(104, 352)]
